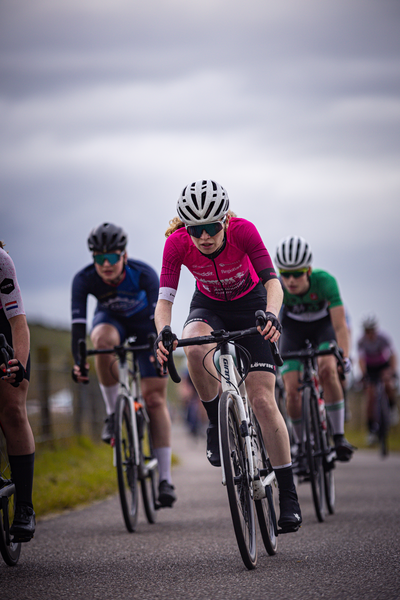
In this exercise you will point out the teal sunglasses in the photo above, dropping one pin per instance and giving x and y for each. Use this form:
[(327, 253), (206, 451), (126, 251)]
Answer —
[(112, 258)]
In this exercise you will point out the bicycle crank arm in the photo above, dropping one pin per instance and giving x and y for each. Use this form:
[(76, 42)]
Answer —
[(144, 470), (259, 487)]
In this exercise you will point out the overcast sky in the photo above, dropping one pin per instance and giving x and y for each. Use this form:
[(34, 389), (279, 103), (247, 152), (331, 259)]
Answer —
[(110, 107)]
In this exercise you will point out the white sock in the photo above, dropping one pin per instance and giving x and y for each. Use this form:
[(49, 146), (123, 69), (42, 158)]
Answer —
[(336, 416), (163, 455), (110, 395)]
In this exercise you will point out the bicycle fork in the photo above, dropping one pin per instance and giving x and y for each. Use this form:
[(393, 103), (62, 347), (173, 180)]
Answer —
[(257, 486)]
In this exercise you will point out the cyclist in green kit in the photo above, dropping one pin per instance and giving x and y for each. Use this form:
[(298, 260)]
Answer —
[(312, 310)]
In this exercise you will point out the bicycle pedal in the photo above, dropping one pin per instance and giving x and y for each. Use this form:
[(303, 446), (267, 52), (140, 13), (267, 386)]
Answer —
[(21, 539), (290, 529)]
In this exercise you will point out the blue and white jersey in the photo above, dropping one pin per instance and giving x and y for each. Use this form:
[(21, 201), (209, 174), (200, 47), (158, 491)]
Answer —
[(136, 293)]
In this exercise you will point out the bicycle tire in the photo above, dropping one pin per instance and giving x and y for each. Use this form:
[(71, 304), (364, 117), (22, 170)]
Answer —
[(265, 508), (314, 452), (329, 468), (235, 463), (10, 551), (148, 476), (383, 419), (127, 470)]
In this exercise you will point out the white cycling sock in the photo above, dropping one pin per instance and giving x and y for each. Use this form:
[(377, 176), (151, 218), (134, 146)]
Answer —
[(336, 416), (110, 395), (163, 455)]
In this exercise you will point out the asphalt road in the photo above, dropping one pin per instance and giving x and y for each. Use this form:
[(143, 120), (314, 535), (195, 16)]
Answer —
[(191, 551)]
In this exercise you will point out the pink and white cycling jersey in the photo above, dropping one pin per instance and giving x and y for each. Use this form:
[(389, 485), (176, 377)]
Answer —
[(228, 274), (10, 295)]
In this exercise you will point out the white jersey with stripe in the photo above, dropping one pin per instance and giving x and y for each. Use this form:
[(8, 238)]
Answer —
[(10, 294)]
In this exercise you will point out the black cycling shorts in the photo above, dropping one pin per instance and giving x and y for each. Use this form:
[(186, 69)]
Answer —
[(138, 327), (233, 316), (295, 333), (375, 373)]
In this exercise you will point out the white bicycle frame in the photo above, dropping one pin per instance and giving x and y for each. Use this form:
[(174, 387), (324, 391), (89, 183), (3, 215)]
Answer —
[(132, 391), (230, 379)]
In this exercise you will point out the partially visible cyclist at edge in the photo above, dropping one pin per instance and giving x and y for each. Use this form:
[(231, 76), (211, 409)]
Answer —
[(14, 385), (377, 360), (234, 278), (126, 291), (312, 310)]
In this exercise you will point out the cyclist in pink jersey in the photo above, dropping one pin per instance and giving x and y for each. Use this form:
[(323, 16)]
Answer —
[(14, 381), (234, 277)]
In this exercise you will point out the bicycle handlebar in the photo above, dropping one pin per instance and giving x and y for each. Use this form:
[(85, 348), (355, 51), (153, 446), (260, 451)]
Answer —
[(309, 353), (216, 336), (6, 351), (120, 350)]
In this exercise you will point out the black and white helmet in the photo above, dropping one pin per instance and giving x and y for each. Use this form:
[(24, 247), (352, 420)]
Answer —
[(293, 253), (370, 321), (203, 201), (107, 237)]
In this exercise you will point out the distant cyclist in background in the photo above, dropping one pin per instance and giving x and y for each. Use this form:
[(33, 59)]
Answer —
[(14, 384), (126, 291), (312, 310), (377, 360)]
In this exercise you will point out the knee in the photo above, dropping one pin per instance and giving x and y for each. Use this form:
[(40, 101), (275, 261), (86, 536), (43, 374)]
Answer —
[(154, 400), (13, 414), (327, 374), (264, 406)]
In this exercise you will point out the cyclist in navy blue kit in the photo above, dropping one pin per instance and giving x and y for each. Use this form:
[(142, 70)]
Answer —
[(126, 291)]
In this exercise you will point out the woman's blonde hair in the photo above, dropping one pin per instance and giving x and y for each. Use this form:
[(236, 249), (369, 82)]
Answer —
[(176, 223)]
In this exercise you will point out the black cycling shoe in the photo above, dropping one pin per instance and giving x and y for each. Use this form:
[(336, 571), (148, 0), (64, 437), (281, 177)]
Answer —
[(213, 445), (290, 515), (24, 524), (108, 432), (344, 450), (166, 494)]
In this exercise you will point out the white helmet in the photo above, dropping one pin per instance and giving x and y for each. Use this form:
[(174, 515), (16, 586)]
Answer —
[(293, 252), (201, 202), (370, 321)]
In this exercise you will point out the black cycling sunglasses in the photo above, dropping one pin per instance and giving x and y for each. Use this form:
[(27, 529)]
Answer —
[(210, 228), (295, 274)]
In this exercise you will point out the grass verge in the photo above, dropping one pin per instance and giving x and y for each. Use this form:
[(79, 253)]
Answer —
[(72, 473)]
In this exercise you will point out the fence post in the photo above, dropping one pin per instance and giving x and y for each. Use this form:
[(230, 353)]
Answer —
[(44, 391)]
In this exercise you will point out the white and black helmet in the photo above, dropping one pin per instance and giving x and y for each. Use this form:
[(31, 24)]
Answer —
[(370, 321), (203, 201), (292, 253)]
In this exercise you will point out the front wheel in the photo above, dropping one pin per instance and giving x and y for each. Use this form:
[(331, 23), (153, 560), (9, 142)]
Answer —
[(148, 472), (235, 461), (9, 550), (127, 469), (314, 451), (265, 507)]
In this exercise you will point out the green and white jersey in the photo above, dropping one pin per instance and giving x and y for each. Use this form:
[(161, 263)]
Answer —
[(322, 295)]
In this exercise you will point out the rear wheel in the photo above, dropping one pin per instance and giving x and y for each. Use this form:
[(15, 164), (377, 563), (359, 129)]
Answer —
[(329, 467), (265, 508), (148, 468), (314, 452), (127, 470), (9, 550), (235, 461)]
